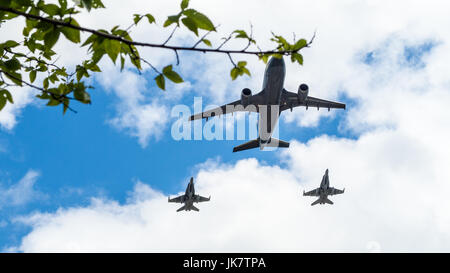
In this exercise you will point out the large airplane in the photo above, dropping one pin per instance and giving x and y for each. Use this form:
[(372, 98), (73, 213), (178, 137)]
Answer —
[(189, 198), (323, 191), (269, 103)]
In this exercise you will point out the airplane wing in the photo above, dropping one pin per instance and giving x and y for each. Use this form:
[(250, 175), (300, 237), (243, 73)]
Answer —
[(311, 193), (333, 191), (199, 198), (290, 100), (236, 106), (179, 199)]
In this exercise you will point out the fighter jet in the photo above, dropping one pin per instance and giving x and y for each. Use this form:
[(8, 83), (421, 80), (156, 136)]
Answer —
[(323, 191), (189, 198), (269, 103)]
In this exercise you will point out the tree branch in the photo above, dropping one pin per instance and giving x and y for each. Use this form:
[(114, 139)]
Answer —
[(312, 39), (143, 44), (231, 59), (57, 97), (170, 36), (203, 37)]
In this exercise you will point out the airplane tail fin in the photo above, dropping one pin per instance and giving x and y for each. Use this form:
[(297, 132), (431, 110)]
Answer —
[(315, 202), (246, 146), (182, 208)]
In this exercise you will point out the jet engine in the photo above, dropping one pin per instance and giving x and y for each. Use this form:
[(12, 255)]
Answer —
[(245, 96), (303, 90)]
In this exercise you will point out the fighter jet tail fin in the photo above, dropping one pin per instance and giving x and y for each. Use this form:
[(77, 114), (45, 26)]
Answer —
[(182, 208), (246, 146)]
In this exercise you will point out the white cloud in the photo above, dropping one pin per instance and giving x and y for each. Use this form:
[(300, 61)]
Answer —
[(138, 116), (390, 204), (22, 192), (8, 115)]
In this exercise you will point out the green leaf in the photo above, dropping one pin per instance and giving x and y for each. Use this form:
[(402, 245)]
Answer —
[(246, 71), (50, 9), (241, 34), (81, 95), (51, 37), (43, 96), (172, 75), (172, 19), (13, 64), (9, 44), (241, 64), (207, 42), (300, 44), (94, 68), (122, 62), (14, 77), (160, 81), (32, 76), (90, 40), (63, 4), (87, 4), (190, 24), (297, 57), (137, 18), (55, 91), (234, 73), (202, 21), (112, 48), (5, 96), (184, 4), (98, 55), (72, 34), (53, 102), (150, 18), (96, 4), (167, 68), (65, 105), (45, 83)]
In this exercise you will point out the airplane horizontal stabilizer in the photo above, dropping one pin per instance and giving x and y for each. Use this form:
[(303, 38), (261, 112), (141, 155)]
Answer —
[(277, 143), (246, 146), (195, 208), (182, 208), (315, 202), (328, 201)]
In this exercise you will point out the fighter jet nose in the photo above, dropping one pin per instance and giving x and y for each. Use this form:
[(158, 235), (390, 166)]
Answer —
[(276, 62)]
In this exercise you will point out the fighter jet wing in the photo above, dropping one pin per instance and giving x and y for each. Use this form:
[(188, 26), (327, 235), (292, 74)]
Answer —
[(333, 191), (179, 199), (311, 193), (290, 100), (235, 106), (199, 198)]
